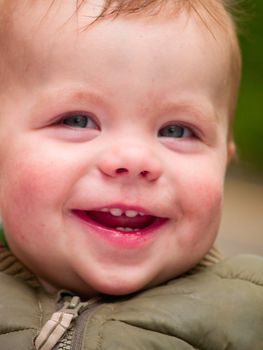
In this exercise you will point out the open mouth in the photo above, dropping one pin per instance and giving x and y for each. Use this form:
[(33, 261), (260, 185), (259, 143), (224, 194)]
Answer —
[(120, 220)]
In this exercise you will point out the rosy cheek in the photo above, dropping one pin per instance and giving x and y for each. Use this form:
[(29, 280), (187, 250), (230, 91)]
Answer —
[(24, 192), (210, 195), (26, 189), (23, 213), (205, 186), (36, 182), (201, 211)]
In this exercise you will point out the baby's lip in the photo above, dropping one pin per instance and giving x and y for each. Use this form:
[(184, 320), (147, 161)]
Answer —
[(120, 216)]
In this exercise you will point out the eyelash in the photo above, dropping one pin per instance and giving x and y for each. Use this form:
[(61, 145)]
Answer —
[(78, 117), (176, 131)]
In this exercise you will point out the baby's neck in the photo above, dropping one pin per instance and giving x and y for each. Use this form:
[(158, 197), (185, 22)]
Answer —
[(47, 286)]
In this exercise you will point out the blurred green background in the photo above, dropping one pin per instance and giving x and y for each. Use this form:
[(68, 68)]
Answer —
[(248, 126)]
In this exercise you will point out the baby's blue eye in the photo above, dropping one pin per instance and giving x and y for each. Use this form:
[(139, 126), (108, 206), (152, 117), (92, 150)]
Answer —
[(79, 121), (175, 131)]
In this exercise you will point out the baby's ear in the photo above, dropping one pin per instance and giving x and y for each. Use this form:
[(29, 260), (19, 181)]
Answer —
[(231, 150)]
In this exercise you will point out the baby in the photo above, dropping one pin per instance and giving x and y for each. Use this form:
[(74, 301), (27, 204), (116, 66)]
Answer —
[(115, 134)]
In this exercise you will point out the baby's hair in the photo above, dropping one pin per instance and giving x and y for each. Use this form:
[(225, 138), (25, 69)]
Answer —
[(114, 8), (126, 7)]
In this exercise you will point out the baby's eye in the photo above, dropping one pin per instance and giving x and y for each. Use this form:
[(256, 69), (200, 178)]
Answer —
[(175, 131), (79, 120)]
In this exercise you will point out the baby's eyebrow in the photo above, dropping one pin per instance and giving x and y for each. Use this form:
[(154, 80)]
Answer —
[(202, 111), (59, 99), (83, 95), (71, 95)]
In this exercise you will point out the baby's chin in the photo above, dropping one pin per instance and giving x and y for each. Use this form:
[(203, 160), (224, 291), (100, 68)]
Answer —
[(110, 282), (86, 290), (123, 286), (114, 288)]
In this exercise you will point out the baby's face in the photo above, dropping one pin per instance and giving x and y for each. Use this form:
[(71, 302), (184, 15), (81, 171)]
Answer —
[(113, 148)]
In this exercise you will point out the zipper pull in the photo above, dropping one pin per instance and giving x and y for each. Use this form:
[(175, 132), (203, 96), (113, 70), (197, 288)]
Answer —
[(59, 323)]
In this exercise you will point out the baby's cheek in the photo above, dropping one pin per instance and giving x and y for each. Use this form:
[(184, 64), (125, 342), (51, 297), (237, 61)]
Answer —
[(206, 187), (210, 195), (25, 215), (34, 184), (202, 210), (25, 193)]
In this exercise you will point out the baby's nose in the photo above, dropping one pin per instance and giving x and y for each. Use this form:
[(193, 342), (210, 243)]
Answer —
[(130, 161)]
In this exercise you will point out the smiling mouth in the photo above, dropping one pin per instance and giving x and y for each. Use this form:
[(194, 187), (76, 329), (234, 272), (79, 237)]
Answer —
[(119, 220)]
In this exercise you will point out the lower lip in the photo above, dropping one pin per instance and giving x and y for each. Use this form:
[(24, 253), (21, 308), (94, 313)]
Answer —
[(125, 239)]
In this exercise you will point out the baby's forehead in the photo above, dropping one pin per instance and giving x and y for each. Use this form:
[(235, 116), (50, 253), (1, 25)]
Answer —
[(29, 17), (27, 20), (39, 24)]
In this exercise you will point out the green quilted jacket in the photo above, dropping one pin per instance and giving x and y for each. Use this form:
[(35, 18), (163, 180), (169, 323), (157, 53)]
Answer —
[(214, 308)]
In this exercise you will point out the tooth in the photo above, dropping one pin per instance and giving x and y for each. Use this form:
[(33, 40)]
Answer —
[(116, 212), (128, 229), (125, 229), (141, 214), (131, 213), (106, 210)]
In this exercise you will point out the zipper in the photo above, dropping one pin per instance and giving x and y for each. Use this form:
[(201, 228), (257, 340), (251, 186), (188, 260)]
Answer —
[(72, 339), (59, 332), (66, 341)]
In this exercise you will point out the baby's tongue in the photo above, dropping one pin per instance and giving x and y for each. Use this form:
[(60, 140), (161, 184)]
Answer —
[(108, 220)]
